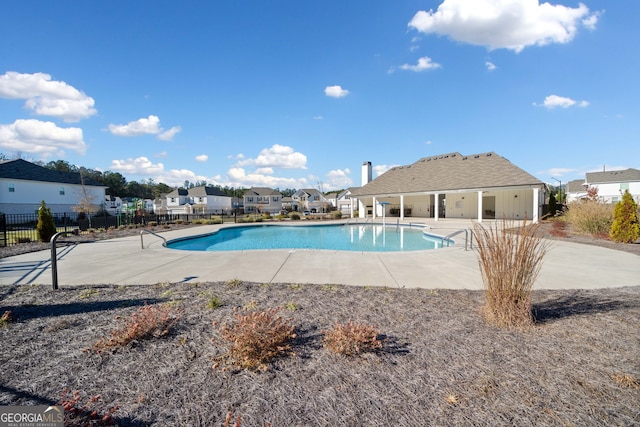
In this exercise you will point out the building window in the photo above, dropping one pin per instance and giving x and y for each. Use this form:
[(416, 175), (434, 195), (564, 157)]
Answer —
[(62, 191), (250, 199), (624, 186), (173, 200), (200, 199), (12, 188), (275, 199)]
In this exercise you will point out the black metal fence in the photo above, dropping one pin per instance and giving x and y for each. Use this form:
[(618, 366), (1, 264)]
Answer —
[(21, 228)]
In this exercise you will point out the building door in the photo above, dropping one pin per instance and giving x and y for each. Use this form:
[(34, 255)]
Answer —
[(488, 207)]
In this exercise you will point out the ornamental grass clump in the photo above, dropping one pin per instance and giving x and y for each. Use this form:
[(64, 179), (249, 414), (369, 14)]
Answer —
[(149, 321), (351, 339), (510, 260), (590, 217), (256, 337)]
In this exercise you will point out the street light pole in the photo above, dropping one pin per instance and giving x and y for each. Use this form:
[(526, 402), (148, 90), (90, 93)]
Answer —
[(560, 190)]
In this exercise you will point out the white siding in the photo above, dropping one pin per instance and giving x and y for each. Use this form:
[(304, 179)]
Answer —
[(27, 196)]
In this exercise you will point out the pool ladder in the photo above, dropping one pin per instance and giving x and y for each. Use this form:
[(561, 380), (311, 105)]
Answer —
[(164, 243), (468, 243)]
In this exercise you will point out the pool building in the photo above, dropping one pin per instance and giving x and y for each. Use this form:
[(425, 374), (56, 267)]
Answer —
[(479, 186)]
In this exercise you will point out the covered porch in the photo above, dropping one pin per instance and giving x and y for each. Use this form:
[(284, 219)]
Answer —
[(517, 203)]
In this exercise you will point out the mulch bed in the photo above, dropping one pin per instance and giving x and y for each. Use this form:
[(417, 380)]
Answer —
[(441, 364)]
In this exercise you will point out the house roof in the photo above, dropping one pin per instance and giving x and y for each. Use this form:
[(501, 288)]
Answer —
[(449, 172), (262, 191), (206, 191), (627, 175), (576, 186), (177, 192), (21, 169)]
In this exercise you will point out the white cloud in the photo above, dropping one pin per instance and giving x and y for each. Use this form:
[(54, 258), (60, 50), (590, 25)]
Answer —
[(339, 178), (240, 178), (504, 24), (559, 172), (43, 139), (554, 101), (169, 134), (429, 142), (318, 117), (423, 64), (380, 169), (277, 156), (590, 21), (177, 177), (490, 65), (202, 158), (335, 91), (144, 126), (138, 166), (47, 97)]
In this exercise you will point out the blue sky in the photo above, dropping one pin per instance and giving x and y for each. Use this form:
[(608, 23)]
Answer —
[(297, 94)]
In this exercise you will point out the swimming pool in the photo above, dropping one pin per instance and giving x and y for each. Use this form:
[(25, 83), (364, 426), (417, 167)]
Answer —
[(343, 237)]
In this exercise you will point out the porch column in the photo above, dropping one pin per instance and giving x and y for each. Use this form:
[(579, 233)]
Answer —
[(402, 208), (436, 207), (361, 209), (480, 206), (351, 207), (373, 211), (536, 201)]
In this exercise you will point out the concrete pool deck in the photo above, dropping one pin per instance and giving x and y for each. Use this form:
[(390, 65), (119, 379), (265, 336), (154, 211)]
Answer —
[(122, 261)]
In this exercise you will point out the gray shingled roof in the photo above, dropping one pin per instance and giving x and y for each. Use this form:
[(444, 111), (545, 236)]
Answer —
[(262, 191), (177, 192), (627, 175), (575, 186), (21, 169), (206, 191), (449, 172)]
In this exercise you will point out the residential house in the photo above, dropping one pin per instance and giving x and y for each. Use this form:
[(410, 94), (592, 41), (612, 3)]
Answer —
[(203, 199), (480, 186), (310, 200), (344, 202), (24, 185), (576, 190), (113, 204), (611, 185), (262, 200)]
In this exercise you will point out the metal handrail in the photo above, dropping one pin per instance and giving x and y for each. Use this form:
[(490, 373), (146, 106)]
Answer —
[(54, 257), (466, 238), (155, 234)]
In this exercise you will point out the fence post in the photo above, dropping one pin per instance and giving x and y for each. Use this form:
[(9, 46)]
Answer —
[(3, 227)]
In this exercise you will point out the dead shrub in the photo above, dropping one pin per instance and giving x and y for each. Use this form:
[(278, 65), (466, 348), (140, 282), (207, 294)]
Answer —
[(590, 217), (255, 337), (558, 228), (6, 318), (510, 259), (351, 339), (147, 322), (87, 414), (627, 381)]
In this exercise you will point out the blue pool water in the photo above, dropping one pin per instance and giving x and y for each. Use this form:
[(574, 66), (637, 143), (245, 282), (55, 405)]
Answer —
[(367, 238)]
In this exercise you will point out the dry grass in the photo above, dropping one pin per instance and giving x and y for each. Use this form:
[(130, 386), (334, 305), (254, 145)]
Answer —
[(147, 322), (255, 337), (509, 263), (440, 363), (351, 339), (590, 218)]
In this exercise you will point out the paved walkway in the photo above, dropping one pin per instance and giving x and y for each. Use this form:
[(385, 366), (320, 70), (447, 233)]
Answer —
[(123, 261)]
